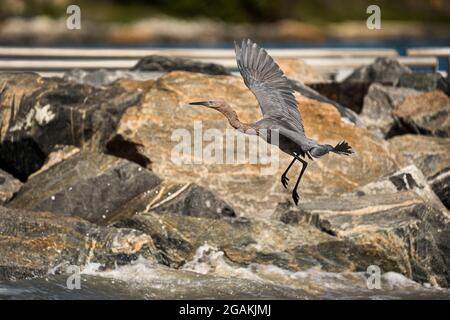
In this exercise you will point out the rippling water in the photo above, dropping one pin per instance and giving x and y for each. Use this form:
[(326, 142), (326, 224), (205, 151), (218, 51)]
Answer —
[(208, 276)]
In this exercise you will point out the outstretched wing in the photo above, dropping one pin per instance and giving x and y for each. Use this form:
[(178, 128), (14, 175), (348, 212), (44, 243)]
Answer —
[(269, 85)]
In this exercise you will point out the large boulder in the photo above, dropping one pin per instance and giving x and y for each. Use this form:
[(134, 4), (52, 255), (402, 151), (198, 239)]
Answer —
[(37, 115), (36, 243), (167, 64), (401, 231), (89, 185), (379, 104), (102, 188), (164, 118), (427, 113), (8, 186), (385, 70)]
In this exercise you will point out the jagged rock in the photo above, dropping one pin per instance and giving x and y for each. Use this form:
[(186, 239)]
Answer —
[(440, 183), (385, 70), (102, 77), (57, 156), (409, 178), (422, 81), (194, 200), (167, 64), (37, 114), (102, 189), (379, 104), (175, 199), (93, 186), (8, 186), (427, 113), (432, 156), (411, 233), (252, 189), (248, 241), (36, 243), (298, 70)]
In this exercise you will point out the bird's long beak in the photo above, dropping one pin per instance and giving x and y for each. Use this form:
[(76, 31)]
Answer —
[(198, 103)]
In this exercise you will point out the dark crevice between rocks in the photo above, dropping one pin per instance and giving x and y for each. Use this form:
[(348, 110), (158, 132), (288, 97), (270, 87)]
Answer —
[(128, 150), (21, 158)]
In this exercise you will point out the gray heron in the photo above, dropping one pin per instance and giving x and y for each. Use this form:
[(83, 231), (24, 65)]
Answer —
[(275, 96)]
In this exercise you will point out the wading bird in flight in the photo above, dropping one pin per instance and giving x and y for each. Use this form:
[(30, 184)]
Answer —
[(276, 99)]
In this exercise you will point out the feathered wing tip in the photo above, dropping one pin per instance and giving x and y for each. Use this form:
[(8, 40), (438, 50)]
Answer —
[(343, 148)]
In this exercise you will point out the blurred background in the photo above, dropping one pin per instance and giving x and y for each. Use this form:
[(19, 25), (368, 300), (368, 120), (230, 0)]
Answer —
[(206, 21), (283, 24)]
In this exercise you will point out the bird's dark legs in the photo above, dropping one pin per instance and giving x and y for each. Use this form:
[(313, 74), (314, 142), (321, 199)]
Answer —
[(295, 196), (284, 179)]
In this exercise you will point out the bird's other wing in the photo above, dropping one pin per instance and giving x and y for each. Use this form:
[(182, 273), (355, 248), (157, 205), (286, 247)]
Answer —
[(267, 82)]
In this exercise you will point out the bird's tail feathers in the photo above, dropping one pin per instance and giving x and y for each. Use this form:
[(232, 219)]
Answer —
[(343, 148)]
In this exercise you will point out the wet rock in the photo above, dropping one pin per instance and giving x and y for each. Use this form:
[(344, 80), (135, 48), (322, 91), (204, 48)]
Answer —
[(89, 185), (8, 186), (102, 77), (298, 70), (427, 113), (167, 64), (411, 234), (36, 243), (378, 107), (385, 70), (37, 114), (245, 242), (252, 189), (422, 81)]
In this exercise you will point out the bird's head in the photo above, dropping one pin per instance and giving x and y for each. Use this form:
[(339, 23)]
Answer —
[(213, 104)]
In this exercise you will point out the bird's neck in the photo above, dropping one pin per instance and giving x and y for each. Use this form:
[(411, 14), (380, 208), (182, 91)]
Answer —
[(233, 118)]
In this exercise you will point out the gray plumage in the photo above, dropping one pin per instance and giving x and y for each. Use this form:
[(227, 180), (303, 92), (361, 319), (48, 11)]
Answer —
[(279, 108)]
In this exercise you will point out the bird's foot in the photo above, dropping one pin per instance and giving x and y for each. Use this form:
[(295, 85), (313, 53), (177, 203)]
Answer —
[(295, 197), (284, 181)]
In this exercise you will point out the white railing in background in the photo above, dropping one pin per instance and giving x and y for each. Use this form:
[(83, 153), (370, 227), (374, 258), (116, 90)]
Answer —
[(435, 52), (326, 60)]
